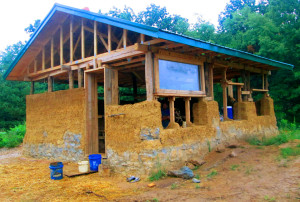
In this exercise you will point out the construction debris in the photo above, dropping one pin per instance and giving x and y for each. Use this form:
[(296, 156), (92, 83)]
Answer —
[(133, 179), (151, 185), (195, 180)]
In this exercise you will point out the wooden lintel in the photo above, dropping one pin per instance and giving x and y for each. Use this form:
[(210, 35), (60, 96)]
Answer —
[(66, 67)]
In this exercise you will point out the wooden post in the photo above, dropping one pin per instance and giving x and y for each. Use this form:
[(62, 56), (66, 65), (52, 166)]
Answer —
[(266, 82), (230, 90), (248, 75), (187, 111), (92, 141), (52, 52), (71, 39), (43, 58), (124, 38), (109, 37), (134, 86), (149, 75), (263, 80), (211, 81), (95, 38), (35, 65), (111, 86), (32, 88), (172, 110), (61, 46), (82, 40), (239, 93), (142, 38), (80, 78), (71, 79), (224, 86), (50, 84)]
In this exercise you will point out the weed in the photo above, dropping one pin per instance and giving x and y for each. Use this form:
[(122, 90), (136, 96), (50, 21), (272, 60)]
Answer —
[(234, 167), (289, 151), (267, 198), (209, 147), (249, 170), (174, 186), (155, 200), (13, 137), (197, 176), (159, 174), (197, 186), (212, 174), (196, 168)]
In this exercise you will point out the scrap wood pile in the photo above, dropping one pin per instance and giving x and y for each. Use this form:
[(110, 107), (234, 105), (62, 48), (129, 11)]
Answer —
[(30, 180)]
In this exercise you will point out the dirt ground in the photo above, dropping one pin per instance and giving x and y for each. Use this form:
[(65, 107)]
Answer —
[(254, 174)]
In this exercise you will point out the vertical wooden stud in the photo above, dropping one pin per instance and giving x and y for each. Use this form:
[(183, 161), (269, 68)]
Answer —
[(109, 37), (95, 38), (111, 86), (61, 40), (43, 58), (52, 52), (187, 101), (80, 78), (211, 81), (239, 93), (263, 81), (50, 84), (124, 38), (71, 40), (82, 40), (32, 88), (202, 78), (224, 86), (172, 110), (71, 79), (35, 65), (142, 38), (149, 75)]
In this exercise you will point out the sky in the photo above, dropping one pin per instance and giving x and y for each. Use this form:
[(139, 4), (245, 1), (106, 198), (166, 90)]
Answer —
[(16, 15)]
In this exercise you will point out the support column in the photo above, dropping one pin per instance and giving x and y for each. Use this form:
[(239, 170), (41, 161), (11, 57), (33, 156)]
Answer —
[(50, 84), (149, 75), (32, 88), (172, 110), (71, 79), (80, 80), (111, 86), (187, 111), (239, 93), (224, 86)]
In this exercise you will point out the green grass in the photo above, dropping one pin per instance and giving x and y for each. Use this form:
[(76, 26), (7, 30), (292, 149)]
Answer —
[(197, 176), (13, 137), (208, 145), (154, 176), (197, 186), (234, 167), (212, 174), (268, 198), (290, 151), (174, 186), (282, 138)]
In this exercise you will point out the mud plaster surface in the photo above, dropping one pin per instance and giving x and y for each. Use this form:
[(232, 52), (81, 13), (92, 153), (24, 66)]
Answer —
[(55, 121)]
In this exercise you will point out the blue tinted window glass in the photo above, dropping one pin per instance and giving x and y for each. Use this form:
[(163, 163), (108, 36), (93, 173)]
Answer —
[(178, 76)]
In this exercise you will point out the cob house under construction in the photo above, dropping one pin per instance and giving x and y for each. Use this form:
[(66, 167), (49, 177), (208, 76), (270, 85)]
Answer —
[(97, 56)]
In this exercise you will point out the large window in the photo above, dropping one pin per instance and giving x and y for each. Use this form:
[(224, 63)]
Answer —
[(178, 76)]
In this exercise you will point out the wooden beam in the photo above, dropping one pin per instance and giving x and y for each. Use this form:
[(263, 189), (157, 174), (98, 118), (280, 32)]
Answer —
[(52, 52), (187, 111), (71, 39), (95, 38), (50, 84), (61, 46), (149, 75), (109, 37), (80, 76), (82, 40), (43, 58), (111, 86), (71, 80), (124, 38), (32, 88)]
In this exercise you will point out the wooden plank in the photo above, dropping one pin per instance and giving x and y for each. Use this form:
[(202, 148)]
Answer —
[(61, 46), (71, 80), (230, 83), (149, 75), (111, 86), (259, 90), (52, 52), (75, 174), (245, 92), (128, 62), (82, 40), (91, 114), (80, 78), (109, 37), (43, 58), (187, 111), (172, 110), (32, 88), (71, 39), (95, 38), (239, 93), (50, 84), (124, 38)]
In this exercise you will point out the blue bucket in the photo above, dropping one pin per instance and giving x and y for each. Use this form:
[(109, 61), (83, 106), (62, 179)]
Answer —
[(230, 112), (95, 160), (56, 170)]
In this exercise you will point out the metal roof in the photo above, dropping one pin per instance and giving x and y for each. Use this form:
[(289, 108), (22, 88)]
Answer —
[(147, 30)]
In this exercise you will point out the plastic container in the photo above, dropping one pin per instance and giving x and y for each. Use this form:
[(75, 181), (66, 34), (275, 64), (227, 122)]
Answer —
[(56, 170), (230, 112), (95, 160), (83, 166)]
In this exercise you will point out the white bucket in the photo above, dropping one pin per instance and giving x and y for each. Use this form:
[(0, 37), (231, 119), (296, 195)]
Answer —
[(83, 166)]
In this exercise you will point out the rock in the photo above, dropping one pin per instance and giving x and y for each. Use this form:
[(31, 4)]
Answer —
[(184, 172), (190, 165), (196, 163), (195, 180), (220, 149), (151, 185), (232, 154)]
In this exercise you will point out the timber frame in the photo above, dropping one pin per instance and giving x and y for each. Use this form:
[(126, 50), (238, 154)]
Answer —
[(89, 49)]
